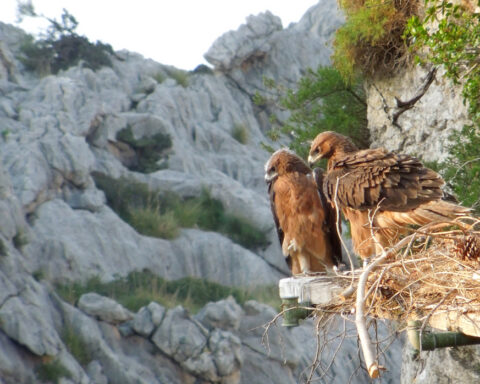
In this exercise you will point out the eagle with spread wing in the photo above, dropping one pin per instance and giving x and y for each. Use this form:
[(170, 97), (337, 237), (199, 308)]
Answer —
[(304, 220), (380, 192)]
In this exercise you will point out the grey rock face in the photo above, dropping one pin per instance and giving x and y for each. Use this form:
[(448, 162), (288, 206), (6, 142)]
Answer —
[(148, 318), (174, 332), (441, 366), (223, 314), (103, 308), (25, 316), (423, 130), (251, 39)]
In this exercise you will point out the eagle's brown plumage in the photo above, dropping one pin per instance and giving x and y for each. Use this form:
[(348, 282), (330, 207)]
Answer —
[(401, 190), (305, 224)]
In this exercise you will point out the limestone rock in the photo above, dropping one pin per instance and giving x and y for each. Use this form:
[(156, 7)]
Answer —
[(226, 350), (103, 308), (441, 366), (235, 47), (148, 318), (26, 318), (179, 337), (223, 314), (424, 129)]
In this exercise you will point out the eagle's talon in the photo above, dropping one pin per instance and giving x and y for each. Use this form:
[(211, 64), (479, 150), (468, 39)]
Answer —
[(293, 247)]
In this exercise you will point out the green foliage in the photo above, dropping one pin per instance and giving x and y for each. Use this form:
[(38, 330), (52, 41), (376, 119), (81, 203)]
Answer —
[(371, 40), (150, 222), (149, 150), (20, 239), (5, 134), (76, 345), (52, 372), (160, 214), (159, 77), (180, 76), (462, 168), (3, 248), (62, 47), (454, 44), (203, 69), (240, 133), (138, 289), (324, 102)]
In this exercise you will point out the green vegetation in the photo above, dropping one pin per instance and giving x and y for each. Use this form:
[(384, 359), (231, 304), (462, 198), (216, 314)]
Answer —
[(323, 102), (20, 239), (180, 76), (462, 168), (159, 77), (203, 69), (454, 44), (52, 372), (3, 249), (75, 345), (162, 214), (140, 288), (62, 47), (371, 41), (240, 133), (149, 150)]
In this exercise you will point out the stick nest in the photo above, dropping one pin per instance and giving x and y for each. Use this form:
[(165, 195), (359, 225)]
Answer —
[(439, 270)]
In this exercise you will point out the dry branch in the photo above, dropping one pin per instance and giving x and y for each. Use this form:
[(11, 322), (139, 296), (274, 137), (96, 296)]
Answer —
[(430, 275)]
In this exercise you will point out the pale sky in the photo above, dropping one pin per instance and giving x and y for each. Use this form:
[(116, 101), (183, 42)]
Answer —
[(174, 32)]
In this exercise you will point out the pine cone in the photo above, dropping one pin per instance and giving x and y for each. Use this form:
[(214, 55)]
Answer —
[(468, 247)]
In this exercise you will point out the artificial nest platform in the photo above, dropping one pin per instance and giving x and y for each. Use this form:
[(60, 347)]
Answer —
[(431, 276)]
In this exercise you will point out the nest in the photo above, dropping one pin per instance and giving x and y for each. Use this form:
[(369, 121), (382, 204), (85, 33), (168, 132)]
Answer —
[(437, 270)]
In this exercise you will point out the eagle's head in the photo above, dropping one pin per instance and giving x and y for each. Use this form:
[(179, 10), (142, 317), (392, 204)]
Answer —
[(327, 144), (284, 161)]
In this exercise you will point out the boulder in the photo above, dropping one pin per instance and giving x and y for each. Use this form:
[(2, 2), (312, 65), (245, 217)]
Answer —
[(103, 308), (223, 314)]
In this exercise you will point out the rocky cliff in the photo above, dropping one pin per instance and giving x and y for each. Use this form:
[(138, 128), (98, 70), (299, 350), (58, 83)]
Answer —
[(59, 131)]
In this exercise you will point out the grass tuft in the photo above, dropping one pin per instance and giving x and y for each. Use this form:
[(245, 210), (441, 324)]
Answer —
[(140, 288), (162, 214)]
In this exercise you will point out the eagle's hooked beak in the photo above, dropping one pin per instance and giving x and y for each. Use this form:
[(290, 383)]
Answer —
[(313, 159), (269, 176)]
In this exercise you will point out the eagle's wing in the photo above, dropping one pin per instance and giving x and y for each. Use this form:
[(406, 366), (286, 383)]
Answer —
[(271, 195), (299, 218), (330, 226), (370, 177)]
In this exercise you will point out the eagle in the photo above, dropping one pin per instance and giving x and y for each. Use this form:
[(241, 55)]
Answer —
[(380, 192), (305, 222)]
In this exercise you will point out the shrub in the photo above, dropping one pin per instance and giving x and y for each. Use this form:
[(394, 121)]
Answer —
[(52, 372), (75, 345), (180, 76), (462, 168), (3, 248), (149, 150), (20, 239), (62, 47), (323, 101), (140, 288), (160, 214), (203, 69), (371, 40), (150, 222), (240, 133)]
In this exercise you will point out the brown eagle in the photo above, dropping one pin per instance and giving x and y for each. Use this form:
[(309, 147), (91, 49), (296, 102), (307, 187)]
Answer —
[(395, 189), (304, 220)]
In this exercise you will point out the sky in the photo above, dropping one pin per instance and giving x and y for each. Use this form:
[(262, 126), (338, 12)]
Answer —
[(173, 32)]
